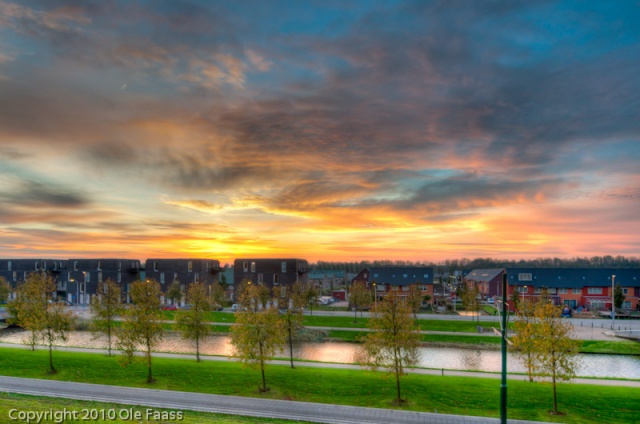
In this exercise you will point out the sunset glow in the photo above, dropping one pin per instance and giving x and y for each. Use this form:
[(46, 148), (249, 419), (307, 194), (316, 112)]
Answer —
[(323, 130)]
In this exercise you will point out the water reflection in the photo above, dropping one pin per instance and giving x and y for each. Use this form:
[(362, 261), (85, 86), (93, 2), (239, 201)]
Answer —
[(612, 366)]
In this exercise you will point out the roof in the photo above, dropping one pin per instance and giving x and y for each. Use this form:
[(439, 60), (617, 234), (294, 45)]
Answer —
[(401, 275), (484, 275), (573, 277), (320, 274)]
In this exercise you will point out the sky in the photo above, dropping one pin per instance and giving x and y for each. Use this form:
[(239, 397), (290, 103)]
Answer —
[(325, 130)]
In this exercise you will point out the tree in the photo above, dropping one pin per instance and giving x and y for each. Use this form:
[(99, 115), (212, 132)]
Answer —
[(34, 310), (5, 289), (218, 293), (470, 299), (618, 297), (311, 295), (556, 350), (257, 335), (292, 308), (174, 292), (553, 345), (524, 341), (395, 339), (192, 322), (105, 308), (414, 299), (359, 296), (142, 324)]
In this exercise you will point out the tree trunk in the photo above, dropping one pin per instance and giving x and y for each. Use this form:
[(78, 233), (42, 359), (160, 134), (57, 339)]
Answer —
[(555, 395), (398, 386), (290, 345), (264, 380), (355, 312), (197, 349), (109, 336), (52, 370), (150, 375)]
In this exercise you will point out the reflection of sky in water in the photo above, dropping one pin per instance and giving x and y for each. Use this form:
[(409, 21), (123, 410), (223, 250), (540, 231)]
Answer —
[(617, 366)]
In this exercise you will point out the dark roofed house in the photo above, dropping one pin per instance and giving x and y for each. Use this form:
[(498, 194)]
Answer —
[(272, 273), (577, 287), (396, 278), (488, 281)]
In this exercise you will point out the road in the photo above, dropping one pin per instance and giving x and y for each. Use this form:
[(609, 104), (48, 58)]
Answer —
[(302, 411)]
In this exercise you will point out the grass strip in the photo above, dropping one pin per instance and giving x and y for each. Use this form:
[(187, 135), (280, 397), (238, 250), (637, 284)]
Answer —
[(452, 395), (14, 403)]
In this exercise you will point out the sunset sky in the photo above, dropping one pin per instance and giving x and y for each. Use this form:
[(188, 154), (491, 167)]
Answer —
[(326, 130)]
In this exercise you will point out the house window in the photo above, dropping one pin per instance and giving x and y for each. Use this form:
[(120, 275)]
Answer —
[(524, 277), (37, 265), (155, 266), (99, 277), (404, 275), (245, 266), (283, 266), (196, 277), (423, 288), (260, 278), (563, 291), (253, 267), (595, 290), (8, 265), (119, 277), (625, 291), (99, 265), (75, 265), (576, 291), (119, 266), (162, 278), (175, 276), (426, 275), (87, 277), (190, 266), (276, 279), (552, 290), (15, 275)]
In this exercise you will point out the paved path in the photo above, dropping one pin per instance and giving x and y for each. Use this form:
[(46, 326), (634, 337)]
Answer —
[(303, 411)]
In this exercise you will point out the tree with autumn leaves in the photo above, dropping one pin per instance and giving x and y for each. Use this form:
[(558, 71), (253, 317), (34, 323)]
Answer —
[(105, 308), (394, 339), (193, 323), (543, 339), (258, 333), (142, 324), (35, 310)]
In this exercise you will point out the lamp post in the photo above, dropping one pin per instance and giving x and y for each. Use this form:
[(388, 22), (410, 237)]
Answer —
[(523, 292), (375, 295), (613, 307)]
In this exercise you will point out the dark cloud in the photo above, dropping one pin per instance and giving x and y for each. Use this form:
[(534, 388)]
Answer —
[(35, 194)]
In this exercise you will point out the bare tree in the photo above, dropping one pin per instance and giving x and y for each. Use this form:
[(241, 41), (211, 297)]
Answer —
[(292, 307)]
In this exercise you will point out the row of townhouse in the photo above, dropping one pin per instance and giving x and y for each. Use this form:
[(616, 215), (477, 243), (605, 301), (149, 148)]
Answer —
[(399, 279), (589, 288), (77, 279)]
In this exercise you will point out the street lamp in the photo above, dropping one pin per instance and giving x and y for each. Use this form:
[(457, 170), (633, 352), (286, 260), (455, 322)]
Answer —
[(523, 292), (613, 308), (375, 295)]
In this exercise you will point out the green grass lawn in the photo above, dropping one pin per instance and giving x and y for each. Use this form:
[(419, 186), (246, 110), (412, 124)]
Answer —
[(453, 395), (10, 401)]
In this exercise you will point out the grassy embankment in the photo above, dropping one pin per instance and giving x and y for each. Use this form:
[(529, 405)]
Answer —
[(623, 347), (452, 395)]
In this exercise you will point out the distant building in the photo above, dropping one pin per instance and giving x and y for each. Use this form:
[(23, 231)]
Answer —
[(327, 280), (488, 281), (79, 282), (184, 271), (16, 271), (396, 278), (589, 288), (272, 273)]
